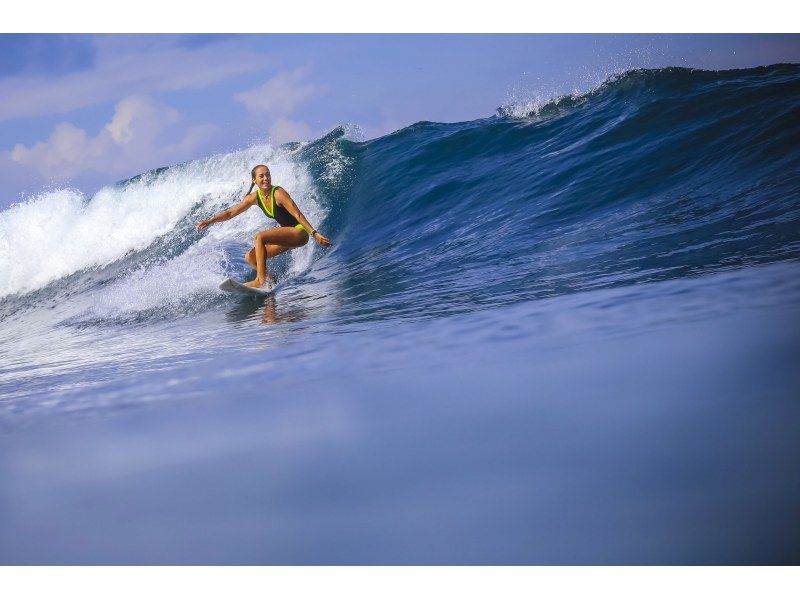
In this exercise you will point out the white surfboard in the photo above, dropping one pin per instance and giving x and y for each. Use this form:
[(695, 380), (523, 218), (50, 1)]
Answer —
[(231, 286)]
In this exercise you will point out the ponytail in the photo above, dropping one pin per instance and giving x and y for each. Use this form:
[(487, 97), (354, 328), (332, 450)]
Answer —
[(250, 189)]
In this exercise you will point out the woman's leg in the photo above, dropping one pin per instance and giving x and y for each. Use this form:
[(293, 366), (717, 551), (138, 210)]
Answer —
[(272, 251), (269, 243)]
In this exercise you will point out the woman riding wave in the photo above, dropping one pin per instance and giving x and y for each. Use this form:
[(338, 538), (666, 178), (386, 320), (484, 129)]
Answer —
[(277, 204)]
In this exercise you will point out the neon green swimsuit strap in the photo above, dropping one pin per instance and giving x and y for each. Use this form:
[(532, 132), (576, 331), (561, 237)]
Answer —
[(263, 203), (272, 196)]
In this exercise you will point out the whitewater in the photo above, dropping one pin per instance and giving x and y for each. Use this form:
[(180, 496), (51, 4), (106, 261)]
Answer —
[(565, 333)]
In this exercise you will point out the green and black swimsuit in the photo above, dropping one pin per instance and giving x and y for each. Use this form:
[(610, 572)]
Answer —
[(277, 212)]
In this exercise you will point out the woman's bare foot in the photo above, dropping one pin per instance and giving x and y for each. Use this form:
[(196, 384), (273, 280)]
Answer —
[(257, 284)]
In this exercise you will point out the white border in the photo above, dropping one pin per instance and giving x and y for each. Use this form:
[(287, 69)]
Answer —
[(425, 16), (402, 582)]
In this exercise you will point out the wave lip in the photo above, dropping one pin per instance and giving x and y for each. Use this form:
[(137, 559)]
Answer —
[(655, 83)]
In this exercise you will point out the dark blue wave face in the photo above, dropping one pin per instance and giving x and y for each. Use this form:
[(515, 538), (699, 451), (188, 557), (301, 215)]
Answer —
[(655, 175)]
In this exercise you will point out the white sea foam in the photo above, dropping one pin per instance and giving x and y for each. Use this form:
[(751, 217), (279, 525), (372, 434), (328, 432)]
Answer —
[(61, 232)]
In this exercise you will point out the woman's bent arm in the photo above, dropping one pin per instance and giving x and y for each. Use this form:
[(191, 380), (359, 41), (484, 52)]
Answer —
[(284, 199)]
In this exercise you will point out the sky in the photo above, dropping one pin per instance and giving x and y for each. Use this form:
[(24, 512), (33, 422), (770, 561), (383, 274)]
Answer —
[(84, 111)]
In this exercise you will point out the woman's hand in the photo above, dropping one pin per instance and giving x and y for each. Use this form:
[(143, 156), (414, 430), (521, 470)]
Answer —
[(202, 224), (321, 239)]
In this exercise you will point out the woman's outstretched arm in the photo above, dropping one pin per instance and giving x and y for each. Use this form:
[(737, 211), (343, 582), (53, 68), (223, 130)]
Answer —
[(240, 207)]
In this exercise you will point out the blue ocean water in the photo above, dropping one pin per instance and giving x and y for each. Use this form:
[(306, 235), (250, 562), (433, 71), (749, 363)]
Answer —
[(563, 334)]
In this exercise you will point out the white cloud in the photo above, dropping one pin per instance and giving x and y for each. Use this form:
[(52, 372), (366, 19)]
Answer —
[(138, 120), (278, 99), (119, 72), (140, 135), (282, 94)]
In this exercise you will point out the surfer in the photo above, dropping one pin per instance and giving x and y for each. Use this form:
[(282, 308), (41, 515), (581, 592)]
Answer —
[(276, 203)]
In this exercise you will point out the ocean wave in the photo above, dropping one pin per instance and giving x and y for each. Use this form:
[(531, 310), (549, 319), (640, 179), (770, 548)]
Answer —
[(652, 174)]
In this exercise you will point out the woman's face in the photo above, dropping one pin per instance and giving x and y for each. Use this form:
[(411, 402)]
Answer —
[(262, 178)]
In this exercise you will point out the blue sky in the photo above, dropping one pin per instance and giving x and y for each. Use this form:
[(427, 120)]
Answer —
[(88, 110)]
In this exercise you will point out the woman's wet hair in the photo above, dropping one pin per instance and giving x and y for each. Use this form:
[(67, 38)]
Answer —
[(253, 176)]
